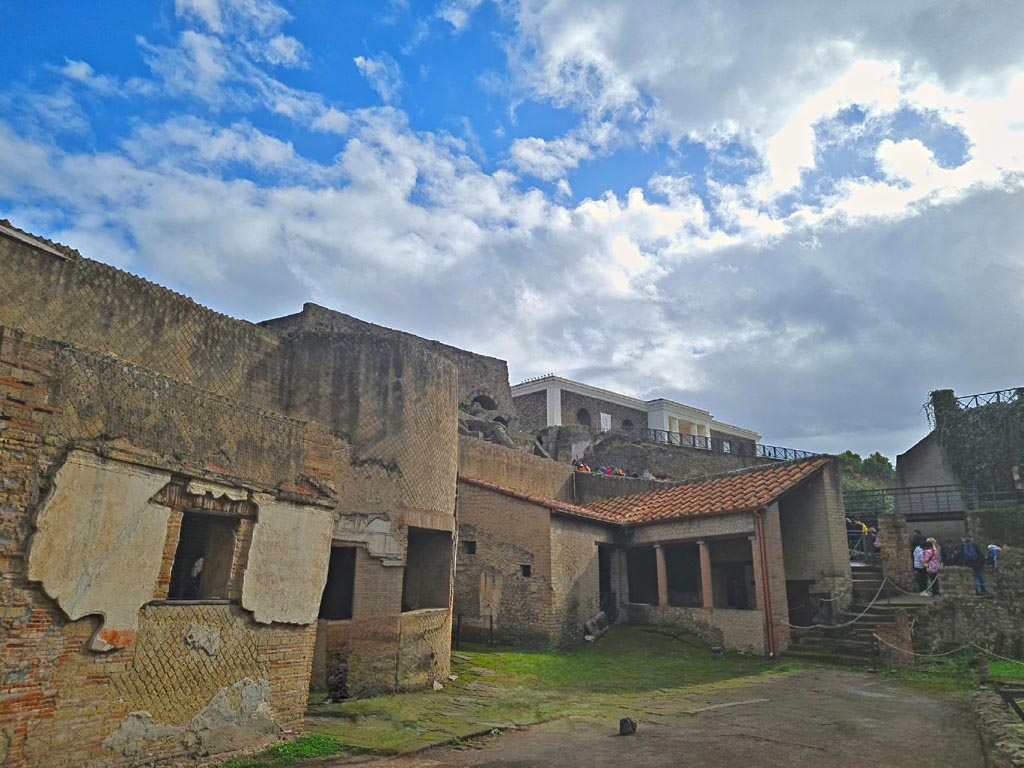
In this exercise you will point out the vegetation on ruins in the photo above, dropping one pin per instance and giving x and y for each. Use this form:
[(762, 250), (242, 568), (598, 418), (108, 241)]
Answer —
[(982, 445), (866, 474)]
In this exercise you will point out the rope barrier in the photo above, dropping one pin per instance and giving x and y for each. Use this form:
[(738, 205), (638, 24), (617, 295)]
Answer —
[(1004, 658), (912, 653), (848, 623)]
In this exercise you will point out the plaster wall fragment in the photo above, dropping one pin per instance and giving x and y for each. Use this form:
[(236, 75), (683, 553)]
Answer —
[(377, 532), (288, 559), (99, 542)]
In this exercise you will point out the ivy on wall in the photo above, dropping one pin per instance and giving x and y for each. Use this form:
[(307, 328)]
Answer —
[(982, 444)]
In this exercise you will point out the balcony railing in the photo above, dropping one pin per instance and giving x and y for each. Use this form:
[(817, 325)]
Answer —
[(718, 445)]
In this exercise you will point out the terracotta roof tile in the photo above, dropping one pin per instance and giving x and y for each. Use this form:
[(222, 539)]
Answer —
[(555, 506), (740, 492)]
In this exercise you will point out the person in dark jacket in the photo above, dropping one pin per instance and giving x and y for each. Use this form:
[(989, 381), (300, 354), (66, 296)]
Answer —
[(971, 557)]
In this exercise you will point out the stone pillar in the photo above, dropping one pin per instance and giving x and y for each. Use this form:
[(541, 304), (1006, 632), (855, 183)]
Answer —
[(659, 556), (897, 559), (705, 575)]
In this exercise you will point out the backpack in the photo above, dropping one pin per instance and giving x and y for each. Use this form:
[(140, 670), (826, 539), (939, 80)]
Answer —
[(969, 552)]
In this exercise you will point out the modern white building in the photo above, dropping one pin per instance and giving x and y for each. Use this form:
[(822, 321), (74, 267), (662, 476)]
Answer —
[(550, 400)]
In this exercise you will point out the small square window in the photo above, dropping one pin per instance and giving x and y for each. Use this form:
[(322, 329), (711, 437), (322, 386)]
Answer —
[(468, 547), (202, 562), (726, 446), (526, 570)]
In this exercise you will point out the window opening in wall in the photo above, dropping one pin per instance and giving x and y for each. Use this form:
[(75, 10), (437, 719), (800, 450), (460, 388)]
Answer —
[(428, 570), (336, 601), (732, 574), (726, 446), (642, 572), (606, 422), (526, 570), (583, 417), (468, 547), (202, 562), (627, 424), (682, 569)]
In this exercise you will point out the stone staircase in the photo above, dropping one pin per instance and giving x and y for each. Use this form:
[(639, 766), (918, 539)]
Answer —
[(854, 643)]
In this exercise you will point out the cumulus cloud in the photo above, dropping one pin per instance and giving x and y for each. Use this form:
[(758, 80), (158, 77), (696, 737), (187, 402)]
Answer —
[(819, 315)]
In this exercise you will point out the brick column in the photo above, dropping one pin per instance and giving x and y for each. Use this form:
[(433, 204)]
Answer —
[(659, 556), (705, 575), (758, 580)]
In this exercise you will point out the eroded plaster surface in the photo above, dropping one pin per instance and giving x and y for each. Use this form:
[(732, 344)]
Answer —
[(288, 559), (98, 543), (375, 531)]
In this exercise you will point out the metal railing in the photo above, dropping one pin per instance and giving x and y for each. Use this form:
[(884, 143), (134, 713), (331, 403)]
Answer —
[(968, 402), (926, 502), (738, 447)]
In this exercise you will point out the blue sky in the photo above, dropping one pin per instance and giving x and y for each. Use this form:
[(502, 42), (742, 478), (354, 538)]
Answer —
[(801, 217)]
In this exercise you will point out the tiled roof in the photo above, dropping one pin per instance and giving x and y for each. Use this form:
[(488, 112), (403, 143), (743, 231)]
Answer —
[(555, 506), (740, 492)]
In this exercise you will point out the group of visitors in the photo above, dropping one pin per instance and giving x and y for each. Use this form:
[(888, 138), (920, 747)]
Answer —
[(582, 466), (930, 557), (862, 539)]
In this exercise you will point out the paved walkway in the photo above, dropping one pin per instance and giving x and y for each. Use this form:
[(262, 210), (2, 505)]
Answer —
[(825, 717)]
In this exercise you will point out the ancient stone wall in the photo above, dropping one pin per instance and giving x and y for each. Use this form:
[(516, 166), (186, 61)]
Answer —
[(506, 534), (995, 623), (515, 469), (736, 444), (735, 629), (666, 462), (592, 487), (572, 402), (532, 410), (924, 464), (209, 676), (478, 375), (575, 587)]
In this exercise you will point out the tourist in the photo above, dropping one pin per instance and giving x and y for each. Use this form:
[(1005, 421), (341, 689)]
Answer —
[(932, 559), (971, 557), (994, 551), (875, 547), (950, 553), (920, 573)]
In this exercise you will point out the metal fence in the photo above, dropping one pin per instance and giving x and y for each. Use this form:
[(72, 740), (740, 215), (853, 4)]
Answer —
[(719, 445), (923, 503)]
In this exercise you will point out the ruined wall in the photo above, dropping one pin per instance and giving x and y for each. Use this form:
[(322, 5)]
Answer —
[(735, 629), (692, 529), (425, 646), (572, 402), (592, 487), (575, 586), (736, 444), (515, 469), (478, 374), (532, 410), (814, 543), (666, 462), (209, 676), (508, 534), (924, 464), (995, 623), (104, 309)]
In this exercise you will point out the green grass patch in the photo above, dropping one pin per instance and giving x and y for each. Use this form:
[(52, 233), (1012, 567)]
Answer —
[(954, 678), (290, 753), (631, 667), (1006, 671)]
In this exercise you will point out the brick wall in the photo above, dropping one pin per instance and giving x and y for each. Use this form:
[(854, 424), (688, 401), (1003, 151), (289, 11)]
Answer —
[(477, 374), (515, 469), (532, 410), (509, 534), (575, 587), (814, 546)]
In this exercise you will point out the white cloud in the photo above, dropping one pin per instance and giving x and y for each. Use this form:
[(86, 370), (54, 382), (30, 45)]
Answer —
[(383, 75), (458, 12)]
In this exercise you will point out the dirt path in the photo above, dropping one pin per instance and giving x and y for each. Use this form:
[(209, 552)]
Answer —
[(824, 717)]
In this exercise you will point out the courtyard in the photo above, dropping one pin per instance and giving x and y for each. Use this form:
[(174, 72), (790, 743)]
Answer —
[(510, 707)]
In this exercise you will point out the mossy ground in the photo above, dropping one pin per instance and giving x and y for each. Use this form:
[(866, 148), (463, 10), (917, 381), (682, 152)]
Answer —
[(499, 688)]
